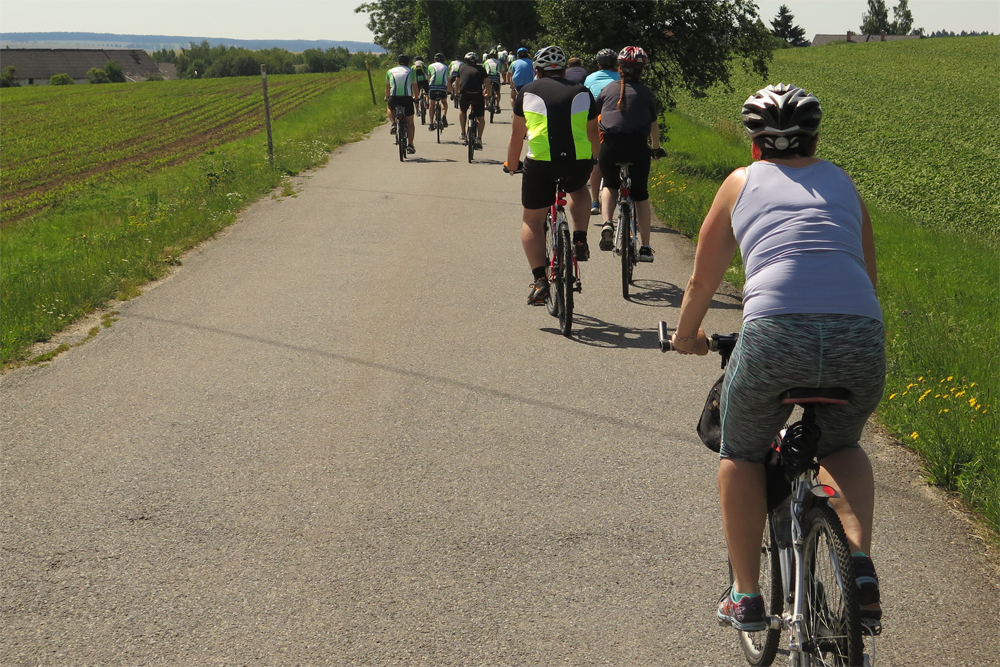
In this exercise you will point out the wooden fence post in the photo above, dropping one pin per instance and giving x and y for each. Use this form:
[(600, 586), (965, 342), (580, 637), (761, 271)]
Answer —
[(370, 84), (267, 115)]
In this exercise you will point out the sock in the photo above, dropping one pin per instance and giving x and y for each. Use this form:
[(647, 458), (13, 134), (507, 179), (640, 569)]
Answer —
[(739, 596), (538, 272), (579, 236), (859, 554)]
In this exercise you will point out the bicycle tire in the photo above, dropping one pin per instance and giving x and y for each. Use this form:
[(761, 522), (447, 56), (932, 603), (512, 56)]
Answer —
[(492, 109), (628, 247), (566, 280), (761, 647), (437, 120), (470, 135), (401, 138), (831, 615), (552, 304), (423, 111)]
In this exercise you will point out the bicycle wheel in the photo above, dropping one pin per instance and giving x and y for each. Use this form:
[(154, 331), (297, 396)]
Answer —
[(470, 134), (492, 109), (552, 303), (437, 120), (627, 247), (760, 647), (401, 139), (565, 278), (423, 111), (831, 616)]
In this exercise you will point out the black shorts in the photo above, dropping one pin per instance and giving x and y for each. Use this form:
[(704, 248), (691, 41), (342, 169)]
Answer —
[(404, 101), (438, 94), (538, 184), (423, 85), (474, 100), (626, 148)]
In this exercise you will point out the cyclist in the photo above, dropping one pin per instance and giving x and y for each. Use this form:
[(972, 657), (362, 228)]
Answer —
[(560, 119), (522, 72), (439, 86), (420, 73), (607, 60), (575, 71), (453, 78), (492, 67), (474, 89), (502, 59), (401, 90), (628, 120), (811, 318)]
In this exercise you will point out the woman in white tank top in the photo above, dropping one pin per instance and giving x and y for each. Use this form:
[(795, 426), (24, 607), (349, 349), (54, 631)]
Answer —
[(811, 318)]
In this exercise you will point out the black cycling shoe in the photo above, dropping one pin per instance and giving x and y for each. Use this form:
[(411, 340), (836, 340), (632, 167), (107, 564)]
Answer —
[(582, 251), (539, 292)]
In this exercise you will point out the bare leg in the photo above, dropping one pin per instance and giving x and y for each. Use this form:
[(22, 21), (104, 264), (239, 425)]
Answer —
[(411, 127), (850, 472), (532, 235), (579, 208), (461, 121), (743, 496), (609, 199), (644, 212), (595, 184), (482, 126)]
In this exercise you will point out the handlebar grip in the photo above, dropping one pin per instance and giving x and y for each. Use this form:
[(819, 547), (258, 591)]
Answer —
[(665, 344)]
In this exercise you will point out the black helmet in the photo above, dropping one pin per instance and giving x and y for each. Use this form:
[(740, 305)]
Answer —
[(403, 59), (607, 58), (779, 113), (439, 57)]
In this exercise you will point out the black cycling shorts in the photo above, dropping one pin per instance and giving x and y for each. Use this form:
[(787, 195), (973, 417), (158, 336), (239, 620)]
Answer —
[(423, 85), (616, 148), (404, 101), (538, 184), (438, 94), (474, 100)]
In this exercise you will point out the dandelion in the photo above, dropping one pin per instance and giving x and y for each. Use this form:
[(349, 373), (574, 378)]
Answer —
[(961, 393), (945, 410), (892, 396), (914, 435), (920, 379), (950, 378), (972, 385), (923, 396)]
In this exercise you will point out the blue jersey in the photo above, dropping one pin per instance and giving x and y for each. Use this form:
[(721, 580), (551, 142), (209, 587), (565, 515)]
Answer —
[(597, 80), (522, 72)]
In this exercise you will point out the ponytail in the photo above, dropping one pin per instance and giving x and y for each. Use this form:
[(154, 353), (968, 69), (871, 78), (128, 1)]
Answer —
[(621, 93), (627, 73)]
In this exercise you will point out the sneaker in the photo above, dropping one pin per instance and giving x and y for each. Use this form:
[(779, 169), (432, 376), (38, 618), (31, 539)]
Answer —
[(392, 130), (539, 292), (410, 149), (595, 208), (479, 144), (645, 254), (607, 237), (869, 597), (582, 251), (463, 138), (747, 615), (432, 127), (444, 122)]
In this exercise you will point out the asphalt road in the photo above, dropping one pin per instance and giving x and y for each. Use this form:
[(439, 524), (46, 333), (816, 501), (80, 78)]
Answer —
[(337, 435)]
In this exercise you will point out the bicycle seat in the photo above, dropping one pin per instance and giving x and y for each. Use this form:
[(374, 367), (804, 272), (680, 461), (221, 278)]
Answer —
[(801, 395)]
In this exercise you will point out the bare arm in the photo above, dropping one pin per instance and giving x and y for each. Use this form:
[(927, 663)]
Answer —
[(594, 136), (654, 135), (518, 126), (716, 246), (868, 245)]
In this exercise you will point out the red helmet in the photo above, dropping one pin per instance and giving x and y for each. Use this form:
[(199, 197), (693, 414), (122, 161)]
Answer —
[(633, 55)]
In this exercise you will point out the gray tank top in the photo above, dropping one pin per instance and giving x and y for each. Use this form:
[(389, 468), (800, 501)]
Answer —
[(799, 231)]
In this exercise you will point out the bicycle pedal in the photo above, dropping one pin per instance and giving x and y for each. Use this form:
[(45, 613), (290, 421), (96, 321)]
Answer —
[(871, 626), (577, 286)]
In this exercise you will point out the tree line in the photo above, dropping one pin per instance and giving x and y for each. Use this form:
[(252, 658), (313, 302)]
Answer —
[(207, 61)]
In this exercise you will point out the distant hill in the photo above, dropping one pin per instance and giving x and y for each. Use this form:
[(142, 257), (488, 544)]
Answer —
[(82, 40)]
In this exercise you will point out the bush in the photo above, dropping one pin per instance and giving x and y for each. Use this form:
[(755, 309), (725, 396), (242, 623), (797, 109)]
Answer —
[(155, 76), (61, 80), (115, 72), (8, 78), (96, 75)]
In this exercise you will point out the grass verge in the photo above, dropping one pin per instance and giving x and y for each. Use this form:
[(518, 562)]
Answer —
[(113, 237), (940, 297)]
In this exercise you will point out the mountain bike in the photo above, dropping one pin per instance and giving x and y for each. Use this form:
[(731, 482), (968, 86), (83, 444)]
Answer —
[(401, 139), (807, 574), (627, 229), (423, 107)]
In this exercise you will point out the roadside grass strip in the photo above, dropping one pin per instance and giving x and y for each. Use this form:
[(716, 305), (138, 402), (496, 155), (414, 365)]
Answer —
[(940, 297), (112, 236)]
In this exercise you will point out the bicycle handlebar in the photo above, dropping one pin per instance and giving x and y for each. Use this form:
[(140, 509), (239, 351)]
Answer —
[(721, 343), (519, 170)]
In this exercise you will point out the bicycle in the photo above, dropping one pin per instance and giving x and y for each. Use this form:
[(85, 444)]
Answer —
[(807, 574), (437, 118), (493, 106), (564, 271), (627, 229), (401, 139), (470, 135), (423, 107)]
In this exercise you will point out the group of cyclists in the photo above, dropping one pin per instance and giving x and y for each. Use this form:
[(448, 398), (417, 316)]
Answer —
[(811, 314)]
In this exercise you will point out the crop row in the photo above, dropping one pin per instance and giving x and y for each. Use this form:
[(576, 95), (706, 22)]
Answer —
[(54, 141)]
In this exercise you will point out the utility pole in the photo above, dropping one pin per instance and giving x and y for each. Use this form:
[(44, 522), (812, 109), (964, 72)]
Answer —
[(267, 115)]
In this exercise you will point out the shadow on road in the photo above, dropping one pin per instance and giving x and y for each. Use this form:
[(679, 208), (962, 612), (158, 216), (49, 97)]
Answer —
[(598, 333)]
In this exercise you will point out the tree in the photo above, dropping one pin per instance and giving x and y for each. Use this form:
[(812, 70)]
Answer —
[(903, 18), (8, 78), (114, 71), (97, 75), (61, 80), (691, 45), (783, 28), (877, 18), (164, 56)]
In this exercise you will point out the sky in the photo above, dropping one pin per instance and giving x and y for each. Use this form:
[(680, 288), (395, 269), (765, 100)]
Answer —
[(336, 20)]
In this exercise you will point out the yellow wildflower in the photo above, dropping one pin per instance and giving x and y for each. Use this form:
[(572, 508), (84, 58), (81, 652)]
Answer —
[(950, 377), (914, 435), (961, 393), (892, 396), (923, 396), (972, 385)]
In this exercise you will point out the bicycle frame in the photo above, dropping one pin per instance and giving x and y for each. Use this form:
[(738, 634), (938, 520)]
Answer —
[(627, 250)]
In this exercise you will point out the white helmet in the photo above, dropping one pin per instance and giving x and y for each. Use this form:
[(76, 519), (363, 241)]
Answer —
[(550, 58)]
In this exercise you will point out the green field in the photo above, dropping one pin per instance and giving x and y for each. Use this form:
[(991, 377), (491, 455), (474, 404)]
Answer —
[(916, 123), (933, 199), (125, 222), (57, 140)]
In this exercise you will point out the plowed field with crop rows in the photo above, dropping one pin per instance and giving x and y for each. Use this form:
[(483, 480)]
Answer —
[(55, 140)]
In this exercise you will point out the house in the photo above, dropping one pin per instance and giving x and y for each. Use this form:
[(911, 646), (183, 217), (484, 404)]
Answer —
[(35, 66), (851, 38)]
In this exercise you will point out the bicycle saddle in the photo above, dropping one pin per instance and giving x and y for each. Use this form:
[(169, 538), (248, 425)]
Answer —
[(800, 395)]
